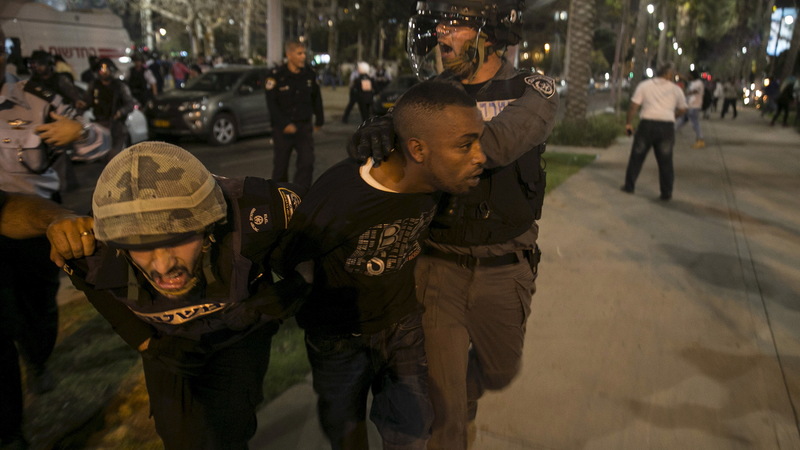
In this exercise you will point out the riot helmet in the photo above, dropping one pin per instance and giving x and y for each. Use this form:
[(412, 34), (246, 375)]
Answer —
[(155, 194), (498, 22)]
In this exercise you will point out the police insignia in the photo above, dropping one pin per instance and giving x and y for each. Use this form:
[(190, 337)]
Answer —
[(259, 219), (269, 84), (542, 84), (290, 202)]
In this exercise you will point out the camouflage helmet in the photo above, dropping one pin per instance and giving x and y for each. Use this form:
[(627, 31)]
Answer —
[(154, 194)]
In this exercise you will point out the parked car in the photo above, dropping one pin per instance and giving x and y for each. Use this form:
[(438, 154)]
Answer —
[(220, 105), (387, 97)]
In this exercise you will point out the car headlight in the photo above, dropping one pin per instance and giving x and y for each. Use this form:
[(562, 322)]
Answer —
[(192, 106)]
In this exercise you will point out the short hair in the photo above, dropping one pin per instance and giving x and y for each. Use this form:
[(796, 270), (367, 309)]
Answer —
[(664, 67), (418, 108), (294, 43)]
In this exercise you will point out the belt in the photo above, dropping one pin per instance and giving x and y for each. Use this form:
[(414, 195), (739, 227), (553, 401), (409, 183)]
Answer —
[(470, 262)]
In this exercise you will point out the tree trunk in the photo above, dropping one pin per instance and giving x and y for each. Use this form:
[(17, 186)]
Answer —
[(617, 70), (763, 24), (580, 33), (663, 16), (640, 35), (147, 23), (247, 16)]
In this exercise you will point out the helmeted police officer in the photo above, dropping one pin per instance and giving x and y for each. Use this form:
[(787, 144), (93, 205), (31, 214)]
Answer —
[(477, 276), (293, 97), (181, 275)]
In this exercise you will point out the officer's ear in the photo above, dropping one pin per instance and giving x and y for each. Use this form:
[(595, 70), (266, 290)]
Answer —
[(416, 149)]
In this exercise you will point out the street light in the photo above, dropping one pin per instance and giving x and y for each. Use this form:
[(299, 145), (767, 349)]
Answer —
[(651, 9)]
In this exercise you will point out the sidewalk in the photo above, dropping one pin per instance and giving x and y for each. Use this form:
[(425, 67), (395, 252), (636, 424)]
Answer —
[(656, 325)]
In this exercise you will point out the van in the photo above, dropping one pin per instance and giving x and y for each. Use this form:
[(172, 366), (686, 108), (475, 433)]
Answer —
[(75, 35)]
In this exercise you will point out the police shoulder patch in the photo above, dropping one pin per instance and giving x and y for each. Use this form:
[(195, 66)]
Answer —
[(544, 85), (270, 84)]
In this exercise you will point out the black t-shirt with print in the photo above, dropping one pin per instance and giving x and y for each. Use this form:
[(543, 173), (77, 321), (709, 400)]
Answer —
[(364, 242)]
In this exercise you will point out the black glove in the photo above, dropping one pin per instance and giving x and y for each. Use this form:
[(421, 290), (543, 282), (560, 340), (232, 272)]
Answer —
[(282, 299), (374, 138), (180, 355)]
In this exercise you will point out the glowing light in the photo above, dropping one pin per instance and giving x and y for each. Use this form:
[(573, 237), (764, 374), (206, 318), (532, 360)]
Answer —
[(661, 26), (649, 72), (546, 47), (674, 45), (691, 66), (651, 9)]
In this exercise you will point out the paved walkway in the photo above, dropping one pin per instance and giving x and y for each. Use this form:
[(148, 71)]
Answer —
[(657, 325)]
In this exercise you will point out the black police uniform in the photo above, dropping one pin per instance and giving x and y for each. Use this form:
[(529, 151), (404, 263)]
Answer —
[(293, 98)]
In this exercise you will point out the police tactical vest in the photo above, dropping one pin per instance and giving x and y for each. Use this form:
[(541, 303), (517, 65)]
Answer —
[(233, 269), (507, 200)]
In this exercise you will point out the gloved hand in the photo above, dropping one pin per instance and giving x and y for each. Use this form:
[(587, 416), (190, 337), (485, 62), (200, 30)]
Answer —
[(180, 355), (374, 138)]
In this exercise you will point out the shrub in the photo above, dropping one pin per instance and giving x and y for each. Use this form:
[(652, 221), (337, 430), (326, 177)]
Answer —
[(600, 130)]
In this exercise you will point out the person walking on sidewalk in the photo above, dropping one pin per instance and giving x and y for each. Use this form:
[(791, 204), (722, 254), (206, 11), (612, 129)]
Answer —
[(361, 225), (694, 100), (784, 101), (293, 97), (731, 97), (661, 101), (179, 274)]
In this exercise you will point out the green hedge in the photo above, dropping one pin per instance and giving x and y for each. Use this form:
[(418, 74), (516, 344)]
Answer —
[(600, 130)]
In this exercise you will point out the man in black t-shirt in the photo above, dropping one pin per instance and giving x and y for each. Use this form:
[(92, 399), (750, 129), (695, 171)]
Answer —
[(362, 226)]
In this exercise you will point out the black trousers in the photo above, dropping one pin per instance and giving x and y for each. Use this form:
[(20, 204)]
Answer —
[(303, 142), (729, 102), (216, 408), (661, 137), (28, 320)]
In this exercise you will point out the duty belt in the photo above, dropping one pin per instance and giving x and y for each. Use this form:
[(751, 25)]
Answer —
[(470, 262)]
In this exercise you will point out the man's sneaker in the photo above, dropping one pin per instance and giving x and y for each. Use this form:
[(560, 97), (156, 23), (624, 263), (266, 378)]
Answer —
[(699, 144)]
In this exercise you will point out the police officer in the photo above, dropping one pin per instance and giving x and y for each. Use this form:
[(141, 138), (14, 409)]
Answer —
[(36, 129), (293, 97), (477, 276), (180, 274), (111, 101), (44, 78)]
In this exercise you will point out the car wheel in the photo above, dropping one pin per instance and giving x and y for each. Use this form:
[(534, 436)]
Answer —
[(223, 130)]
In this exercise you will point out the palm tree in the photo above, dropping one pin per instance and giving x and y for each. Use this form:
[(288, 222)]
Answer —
[(580, 33)]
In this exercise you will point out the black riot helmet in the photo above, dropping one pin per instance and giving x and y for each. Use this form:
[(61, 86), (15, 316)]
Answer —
[(497, 21)]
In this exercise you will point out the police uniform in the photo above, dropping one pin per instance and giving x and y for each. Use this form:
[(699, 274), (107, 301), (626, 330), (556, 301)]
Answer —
[(106, 102), (28, 281), (294, 98), (209, 350), (477, 276)]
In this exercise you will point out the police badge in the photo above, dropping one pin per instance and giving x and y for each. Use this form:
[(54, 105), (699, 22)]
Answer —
[(542, 84)]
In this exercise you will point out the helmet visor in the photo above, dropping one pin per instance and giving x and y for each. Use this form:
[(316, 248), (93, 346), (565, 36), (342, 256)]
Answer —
[(422, 46)]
